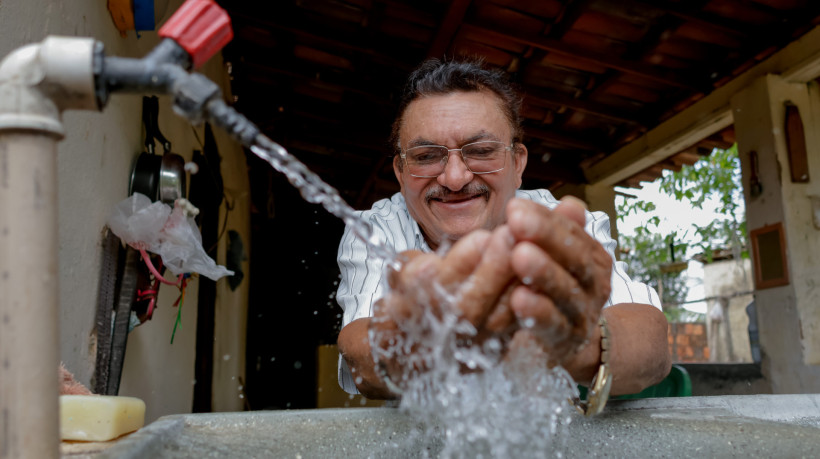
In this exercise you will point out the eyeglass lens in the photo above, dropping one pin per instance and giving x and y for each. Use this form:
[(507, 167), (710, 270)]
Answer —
[(480, 157)]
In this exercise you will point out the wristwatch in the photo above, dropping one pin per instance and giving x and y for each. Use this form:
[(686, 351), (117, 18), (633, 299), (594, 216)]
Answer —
[(598, 393)]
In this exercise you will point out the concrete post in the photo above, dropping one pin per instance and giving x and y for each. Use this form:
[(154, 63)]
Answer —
[(789, 315)]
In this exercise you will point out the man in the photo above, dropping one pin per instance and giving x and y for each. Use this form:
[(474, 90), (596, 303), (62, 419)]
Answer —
[(521, 265)]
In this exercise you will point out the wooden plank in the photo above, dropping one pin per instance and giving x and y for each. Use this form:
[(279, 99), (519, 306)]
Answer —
[(562, 139), (448, 28), (640, 69), (585, 106)]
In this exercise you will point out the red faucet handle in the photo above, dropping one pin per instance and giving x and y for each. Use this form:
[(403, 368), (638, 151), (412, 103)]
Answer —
[(201, 27)]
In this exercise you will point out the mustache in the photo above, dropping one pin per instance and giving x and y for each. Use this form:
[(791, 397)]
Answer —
[(473, 189)]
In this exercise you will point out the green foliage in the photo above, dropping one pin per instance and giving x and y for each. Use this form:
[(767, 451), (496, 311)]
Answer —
[(651, 255), (718, 177)]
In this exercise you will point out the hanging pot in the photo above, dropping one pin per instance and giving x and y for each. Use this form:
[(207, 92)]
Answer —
[(145, 176), (171, 178), (161, 178)]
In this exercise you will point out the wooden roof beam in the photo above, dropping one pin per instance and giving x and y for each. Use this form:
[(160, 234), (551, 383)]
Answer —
[(639, 69), (592, 108), (448, 28), (571, 10), (562, 139), (688, 14)]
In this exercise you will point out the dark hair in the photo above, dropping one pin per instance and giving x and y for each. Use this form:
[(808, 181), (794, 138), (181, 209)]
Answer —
[(437, 77)]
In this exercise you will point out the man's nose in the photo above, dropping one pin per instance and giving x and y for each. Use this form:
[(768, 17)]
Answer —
[(456, 174)]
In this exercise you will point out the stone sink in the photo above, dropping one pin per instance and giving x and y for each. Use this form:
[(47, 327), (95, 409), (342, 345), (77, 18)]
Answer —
[(723, 426)]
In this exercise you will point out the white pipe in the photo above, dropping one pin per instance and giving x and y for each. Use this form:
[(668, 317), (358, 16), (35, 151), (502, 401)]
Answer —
[(37, 82)]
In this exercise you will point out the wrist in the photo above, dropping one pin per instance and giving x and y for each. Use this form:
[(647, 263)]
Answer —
[(584, 364)]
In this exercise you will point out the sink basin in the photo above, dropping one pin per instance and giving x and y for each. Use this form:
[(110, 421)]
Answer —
[(725, 426)]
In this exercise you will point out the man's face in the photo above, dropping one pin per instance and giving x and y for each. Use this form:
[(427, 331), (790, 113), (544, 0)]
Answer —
[(456, 202)]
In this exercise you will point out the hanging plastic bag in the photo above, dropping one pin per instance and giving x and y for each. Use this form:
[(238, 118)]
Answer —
[(173, 235)]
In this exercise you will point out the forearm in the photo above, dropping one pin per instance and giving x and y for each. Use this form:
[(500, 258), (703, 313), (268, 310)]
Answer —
[(354, 346), (638, 356)]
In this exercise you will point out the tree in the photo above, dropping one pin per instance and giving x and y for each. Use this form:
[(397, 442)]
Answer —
[(655, 258), (718, 177)]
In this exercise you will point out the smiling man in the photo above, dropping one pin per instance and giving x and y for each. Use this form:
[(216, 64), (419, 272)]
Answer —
[(521, 265)]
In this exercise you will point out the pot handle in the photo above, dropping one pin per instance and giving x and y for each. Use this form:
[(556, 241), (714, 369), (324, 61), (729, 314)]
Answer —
[(150, 118)]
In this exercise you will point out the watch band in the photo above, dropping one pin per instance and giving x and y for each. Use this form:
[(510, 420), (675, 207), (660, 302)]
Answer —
[(598, 393)]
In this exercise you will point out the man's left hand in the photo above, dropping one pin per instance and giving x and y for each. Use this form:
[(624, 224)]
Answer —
[(564, 274)]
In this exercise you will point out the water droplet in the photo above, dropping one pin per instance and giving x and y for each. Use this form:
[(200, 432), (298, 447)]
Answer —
[(297, 364), (226, 357), (315, 313), (527, 280), (529, 322)]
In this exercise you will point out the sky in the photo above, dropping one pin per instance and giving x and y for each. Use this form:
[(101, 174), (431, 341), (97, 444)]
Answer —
[(675, 216)]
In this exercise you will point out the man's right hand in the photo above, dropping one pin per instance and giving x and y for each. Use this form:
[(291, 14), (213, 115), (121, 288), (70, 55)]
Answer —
[(472, 280)]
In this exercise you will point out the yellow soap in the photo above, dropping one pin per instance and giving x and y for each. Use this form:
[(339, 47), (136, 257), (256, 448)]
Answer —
[(99, 417)]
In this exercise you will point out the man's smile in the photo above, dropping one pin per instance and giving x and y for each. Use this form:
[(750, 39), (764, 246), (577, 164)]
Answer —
[(445, 196)]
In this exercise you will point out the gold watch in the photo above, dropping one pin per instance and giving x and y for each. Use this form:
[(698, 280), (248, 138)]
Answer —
[(598, 393)]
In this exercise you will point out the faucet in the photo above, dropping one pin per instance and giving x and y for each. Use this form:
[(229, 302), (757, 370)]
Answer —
[(37, 83)]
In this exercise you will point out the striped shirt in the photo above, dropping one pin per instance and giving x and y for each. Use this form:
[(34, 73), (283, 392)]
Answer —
[(362, 276)]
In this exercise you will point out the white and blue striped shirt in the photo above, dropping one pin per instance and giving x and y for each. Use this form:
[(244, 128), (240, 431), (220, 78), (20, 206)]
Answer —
[(362, 276)]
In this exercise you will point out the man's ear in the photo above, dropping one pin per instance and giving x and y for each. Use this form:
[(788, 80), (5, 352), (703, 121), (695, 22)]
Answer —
[(397, 168), (520, 160)]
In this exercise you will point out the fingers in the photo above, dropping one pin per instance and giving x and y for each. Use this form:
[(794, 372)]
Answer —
[(462, 258), (546, 277), (573, 209), (488, 280), (559, 234), (502, 318), (538, 312)]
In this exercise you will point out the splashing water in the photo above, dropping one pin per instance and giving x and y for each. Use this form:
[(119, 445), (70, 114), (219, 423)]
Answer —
[(314, 190), (482, 401)]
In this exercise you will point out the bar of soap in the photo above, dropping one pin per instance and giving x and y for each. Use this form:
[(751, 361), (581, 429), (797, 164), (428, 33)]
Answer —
[(99, 417)]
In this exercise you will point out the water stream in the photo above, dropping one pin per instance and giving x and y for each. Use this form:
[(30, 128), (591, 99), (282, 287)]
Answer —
[(508, 404)]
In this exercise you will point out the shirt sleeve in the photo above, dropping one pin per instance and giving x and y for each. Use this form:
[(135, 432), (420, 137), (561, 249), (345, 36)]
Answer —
[(360, 286), (624, 289)]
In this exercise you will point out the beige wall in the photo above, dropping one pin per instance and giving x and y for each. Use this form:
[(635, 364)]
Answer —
[(94, 166), (728, 337)]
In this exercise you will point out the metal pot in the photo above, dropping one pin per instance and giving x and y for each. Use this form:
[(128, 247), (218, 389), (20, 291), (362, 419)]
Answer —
[(171, 178), (161, 178)]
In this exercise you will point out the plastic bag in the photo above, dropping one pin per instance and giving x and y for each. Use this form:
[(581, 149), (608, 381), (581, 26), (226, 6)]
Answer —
[(171, 234)]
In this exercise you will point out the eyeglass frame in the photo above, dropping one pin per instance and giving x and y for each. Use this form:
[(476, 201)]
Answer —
[(403, 155)]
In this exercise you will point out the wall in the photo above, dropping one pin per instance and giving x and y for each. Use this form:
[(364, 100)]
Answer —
[(728, 330), (688, 342), (94, 166)]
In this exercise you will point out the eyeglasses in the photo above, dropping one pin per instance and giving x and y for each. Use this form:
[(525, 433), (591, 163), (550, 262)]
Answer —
[(485, 157)]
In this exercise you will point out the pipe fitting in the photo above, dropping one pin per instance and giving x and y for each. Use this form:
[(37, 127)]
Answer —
[(39, 81)]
